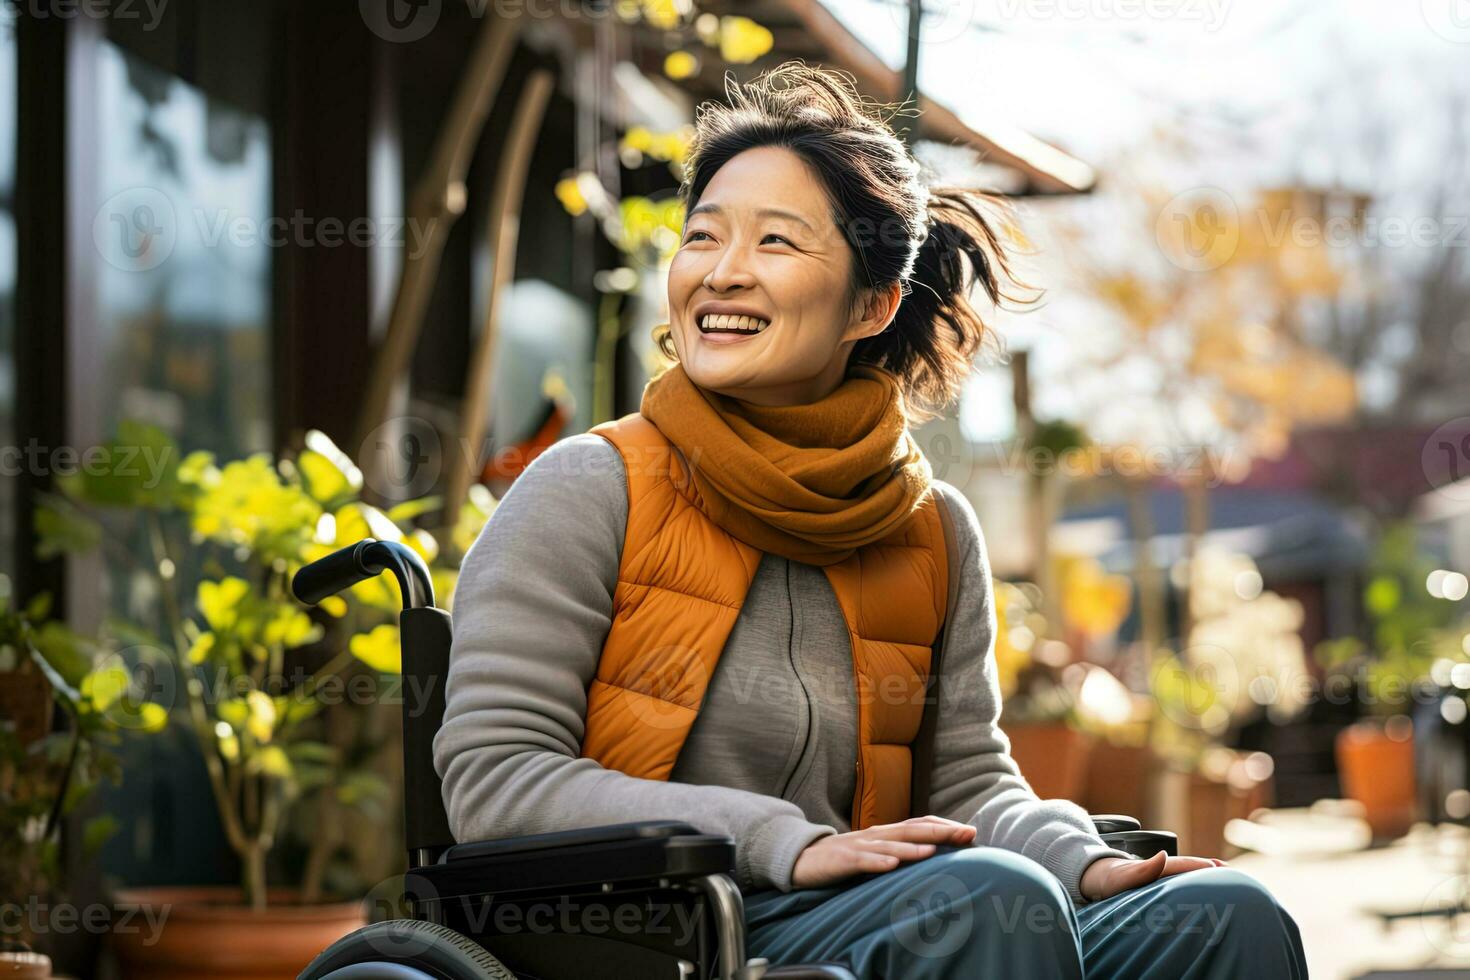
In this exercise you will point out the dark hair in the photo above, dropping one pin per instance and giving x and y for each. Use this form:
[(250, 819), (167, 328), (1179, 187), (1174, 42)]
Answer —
[(938, 242)]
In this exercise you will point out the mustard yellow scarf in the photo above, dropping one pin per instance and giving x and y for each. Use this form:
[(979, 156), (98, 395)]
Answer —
[(809, 482)]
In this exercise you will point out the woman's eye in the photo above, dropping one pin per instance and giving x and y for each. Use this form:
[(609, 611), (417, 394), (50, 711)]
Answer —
[(772, 234), (693, 233)]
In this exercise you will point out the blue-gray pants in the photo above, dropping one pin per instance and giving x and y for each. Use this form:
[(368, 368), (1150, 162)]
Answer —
[(979, 912)]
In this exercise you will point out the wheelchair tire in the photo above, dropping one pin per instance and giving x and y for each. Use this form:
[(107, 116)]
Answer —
[(430, 950)]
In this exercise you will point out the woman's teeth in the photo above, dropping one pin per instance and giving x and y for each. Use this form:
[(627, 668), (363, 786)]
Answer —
[(726, 323)]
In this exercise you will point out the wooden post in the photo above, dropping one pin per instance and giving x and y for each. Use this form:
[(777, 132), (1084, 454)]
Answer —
[(503, 231), (437, 201)]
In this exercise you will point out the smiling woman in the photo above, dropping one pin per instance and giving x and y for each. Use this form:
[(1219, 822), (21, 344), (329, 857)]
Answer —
[(834, 251), (647, 623)]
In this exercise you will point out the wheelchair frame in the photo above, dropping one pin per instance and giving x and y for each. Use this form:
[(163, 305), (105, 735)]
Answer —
[(456, 889)]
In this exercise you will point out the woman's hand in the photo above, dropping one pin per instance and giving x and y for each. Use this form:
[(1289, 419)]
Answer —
[(875, 849), (1108, 876)]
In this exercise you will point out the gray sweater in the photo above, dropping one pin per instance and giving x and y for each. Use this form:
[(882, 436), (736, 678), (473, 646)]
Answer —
[(771, 758)]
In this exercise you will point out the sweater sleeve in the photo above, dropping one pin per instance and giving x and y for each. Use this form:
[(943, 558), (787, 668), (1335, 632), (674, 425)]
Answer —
[(975, 780), (532, 609)]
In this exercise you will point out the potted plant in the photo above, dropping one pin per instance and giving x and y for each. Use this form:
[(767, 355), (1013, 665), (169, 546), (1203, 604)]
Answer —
[(258, 678), (47, 772), (1410, 632)]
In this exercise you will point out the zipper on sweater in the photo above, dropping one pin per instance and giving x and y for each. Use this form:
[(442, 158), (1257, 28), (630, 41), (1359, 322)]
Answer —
[(806, 699)]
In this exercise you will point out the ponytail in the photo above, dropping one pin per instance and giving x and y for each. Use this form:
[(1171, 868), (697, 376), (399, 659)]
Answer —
[(937, 333), (936, 243)]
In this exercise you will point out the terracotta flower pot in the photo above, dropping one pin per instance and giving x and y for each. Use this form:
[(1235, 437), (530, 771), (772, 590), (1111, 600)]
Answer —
[(1119, 779), (1053, 758), (208, 932), (1375, 763)]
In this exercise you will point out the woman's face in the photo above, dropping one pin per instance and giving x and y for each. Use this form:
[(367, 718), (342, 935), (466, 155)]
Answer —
[(762, 243)]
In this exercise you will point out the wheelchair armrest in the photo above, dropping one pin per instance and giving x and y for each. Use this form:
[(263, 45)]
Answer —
[(1127, 834), (1112, 823), (568, 860)]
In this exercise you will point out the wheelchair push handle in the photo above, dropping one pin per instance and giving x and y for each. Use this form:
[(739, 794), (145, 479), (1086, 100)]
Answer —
[(359, 562)]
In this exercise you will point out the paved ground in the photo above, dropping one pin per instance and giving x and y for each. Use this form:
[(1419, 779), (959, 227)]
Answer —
[(1335, 893)]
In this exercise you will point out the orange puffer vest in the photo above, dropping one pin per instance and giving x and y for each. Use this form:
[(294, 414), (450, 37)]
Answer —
[(681, 583)]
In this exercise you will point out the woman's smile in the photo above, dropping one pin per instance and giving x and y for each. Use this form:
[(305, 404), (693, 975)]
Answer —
[(723, 329)]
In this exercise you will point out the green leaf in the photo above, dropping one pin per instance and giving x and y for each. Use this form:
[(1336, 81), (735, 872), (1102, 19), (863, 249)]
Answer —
[(219, 601), (137, 469), (102, 688), (201, 648), (378, 649), (273, 761), (64, 657), (234, 712), (361, 787), (63, 530), (330, 476), (291, 628), (410, 509), (39, 607), (140, 716), (95, 833)]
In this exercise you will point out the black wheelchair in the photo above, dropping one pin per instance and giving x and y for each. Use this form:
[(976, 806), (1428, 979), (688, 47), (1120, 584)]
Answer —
[(655, 898)]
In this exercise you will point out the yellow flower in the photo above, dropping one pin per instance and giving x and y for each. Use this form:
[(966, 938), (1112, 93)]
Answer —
[(742, 40), (219, 602), (680, 65), (250, 506), (569, 193)]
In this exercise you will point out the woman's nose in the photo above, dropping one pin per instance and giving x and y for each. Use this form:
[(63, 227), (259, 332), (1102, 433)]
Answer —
[(730, 271)]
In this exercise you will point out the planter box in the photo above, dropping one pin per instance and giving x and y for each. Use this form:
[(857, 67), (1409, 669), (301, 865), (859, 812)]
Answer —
[(1119, 779), (1052, 757)]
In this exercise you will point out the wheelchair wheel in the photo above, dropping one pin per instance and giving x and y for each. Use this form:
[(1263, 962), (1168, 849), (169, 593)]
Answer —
[(405, 949)]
